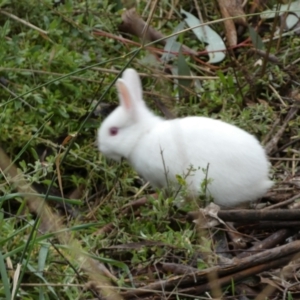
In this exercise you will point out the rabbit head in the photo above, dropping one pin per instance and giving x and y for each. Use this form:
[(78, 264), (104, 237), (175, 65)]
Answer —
[(120, 132)]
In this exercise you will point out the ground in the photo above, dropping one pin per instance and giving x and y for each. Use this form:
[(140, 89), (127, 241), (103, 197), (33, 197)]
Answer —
[(75, 225)]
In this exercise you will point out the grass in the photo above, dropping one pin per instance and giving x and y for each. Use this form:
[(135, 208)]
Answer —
[(56, 75)]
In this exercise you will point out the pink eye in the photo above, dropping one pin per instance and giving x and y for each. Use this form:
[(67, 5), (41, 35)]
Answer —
[(113, 130)]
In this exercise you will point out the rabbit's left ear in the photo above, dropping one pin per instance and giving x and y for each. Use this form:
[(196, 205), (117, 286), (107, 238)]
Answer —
[(133, 82), (125, 97)]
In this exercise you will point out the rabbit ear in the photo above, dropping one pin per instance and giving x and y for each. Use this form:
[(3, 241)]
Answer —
[(126, 99), (133, 82)]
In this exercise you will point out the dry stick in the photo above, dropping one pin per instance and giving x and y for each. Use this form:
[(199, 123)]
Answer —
[(283, 203), (272, 58), (283, 159), (277, 95), (287, 288), (268, 50), (147, 25), (290, 143), (271, 131), (272, 144), (271, 241), (55, 74), (23, 22), (196, 290), (152, 75), (239, 269), (54, 224), (178, 269), (135, 204), (246, 216), (274, 225)]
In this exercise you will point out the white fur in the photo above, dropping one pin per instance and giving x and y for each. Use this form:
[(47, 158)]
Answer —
[(235, 162)]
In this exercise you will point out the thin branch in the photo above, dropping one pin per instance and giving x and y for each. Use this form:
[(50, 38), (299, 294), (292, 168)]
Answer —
[(43, 32)]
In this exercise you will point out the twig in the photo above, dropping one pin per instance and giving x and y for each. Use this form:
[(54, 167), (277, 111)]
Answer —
[(15, 95), (238, 276), (159, 75), (178, 269), (147, 25), (49, 73), (271, 57), (283, 203), (246, 215), (284, 158), (277, 95), (273, 142), (43, 32), (238, 270), (269, 242), (271, 131), (290, 143), (273, 225)]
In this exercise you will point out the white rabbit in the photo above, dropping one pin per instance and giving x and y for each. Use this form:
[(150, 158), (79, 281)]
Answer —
[(158, 149)]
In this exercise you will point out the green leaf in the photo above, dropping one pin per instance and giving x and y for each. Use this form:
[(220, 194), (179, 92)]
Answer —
[(4, 2), (5, 29), (43, 253), (183, 70), (172, 46), (256, 39), (40, 275), (4, 277)]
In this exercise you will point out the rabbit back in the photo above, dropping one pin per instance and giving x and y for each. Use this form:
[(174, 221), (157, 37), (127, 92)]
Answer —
[(198, 148)]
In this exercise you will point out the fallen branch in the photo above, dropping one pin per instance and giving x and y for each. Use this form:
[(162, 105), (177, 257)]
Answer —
[(252, 216), (269, 242), (197, 282)]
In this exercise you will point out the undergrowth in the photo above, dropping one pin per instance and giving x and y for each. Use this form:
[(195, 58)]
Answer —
[(57, 85)]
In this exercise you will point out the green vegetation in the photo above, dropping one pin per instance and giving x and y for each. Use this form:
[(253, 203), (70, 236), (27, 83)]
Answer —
[(57, 76)]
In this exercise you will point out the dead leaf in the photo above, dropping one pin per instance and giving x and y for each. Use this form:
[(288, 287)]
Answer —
[(133, 24), (234, 9), (210, 217), (229, 9)]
